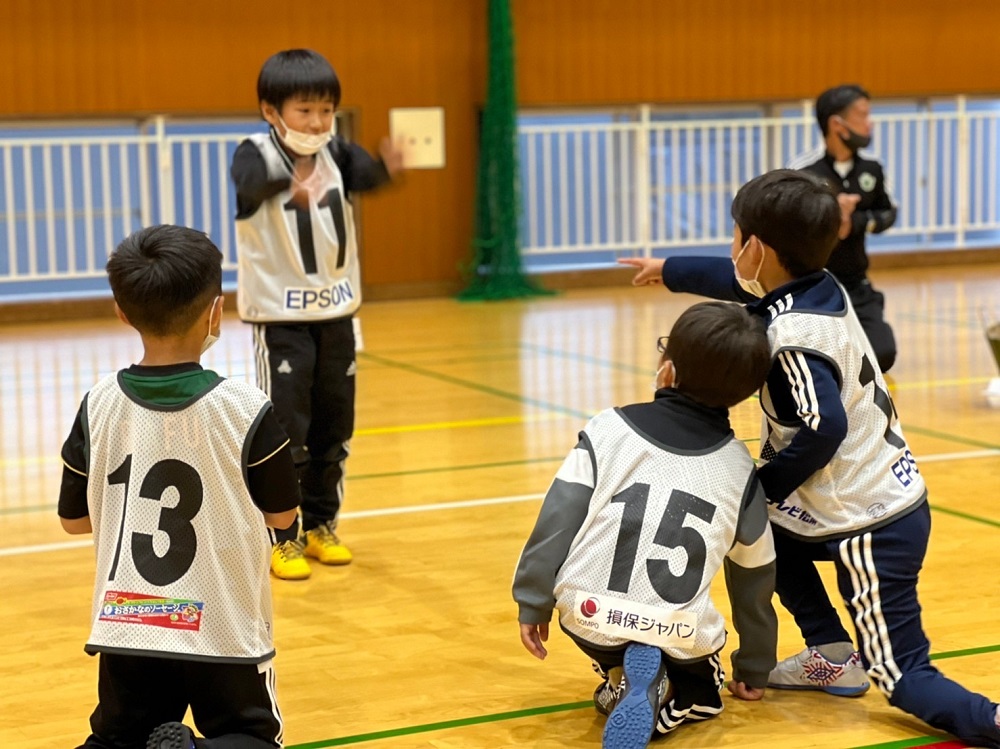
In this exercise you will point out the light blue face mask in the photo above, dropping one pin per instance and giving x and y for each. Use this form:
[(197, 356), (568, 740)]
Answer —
[(749, 285)]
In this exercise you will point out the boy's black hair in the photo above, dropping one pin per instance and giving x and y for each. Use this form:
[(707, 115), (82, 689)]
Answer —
[(720, 352), (794, 213), (163, 278), (297, 72), (834, 101)]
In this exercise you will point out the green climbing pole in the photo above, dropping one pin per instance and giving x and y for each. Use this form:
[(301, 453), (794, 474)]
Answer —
[(496, 271)]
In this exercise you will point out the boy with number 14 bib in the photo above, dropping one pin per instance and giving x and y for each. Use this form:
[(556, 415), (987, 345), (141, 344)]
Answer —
[(841, 482)]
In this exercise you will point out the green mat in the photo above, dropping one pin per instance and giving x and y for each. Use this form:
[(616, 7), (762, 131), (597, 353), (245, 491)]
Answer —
[(495, 271)]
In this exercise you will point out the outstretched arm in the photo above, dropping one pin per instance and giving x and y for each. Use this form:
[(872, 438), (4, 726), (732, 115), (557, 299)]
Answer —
[(707, 276)]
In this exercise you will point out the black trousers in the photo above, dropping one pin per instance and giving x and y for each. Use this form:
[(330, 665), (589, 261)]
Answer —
[(234, 706), (308, 373), (696, 685), (869, 305)]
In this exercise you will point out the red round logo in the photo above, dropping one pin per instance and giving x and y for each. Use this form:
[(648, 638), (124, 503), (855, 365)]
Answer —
[(590, 607)]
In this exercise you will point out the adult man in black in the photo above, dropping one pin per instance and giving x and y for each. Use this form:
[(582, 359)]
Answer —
[(844, 117)]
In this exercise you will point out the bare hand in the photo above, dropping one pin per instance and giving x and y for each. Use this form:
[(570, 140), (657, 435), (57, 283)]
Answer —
[(392, 156), (847, 205), (741, 690), (302, 170), (848, 202), (650, 269), (532, 637)]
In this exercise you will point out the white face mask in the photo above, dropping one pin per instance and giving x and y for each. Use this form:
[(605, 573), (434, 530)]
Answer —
[(656, 377), (750, 286), (304, 144), (210, 339)]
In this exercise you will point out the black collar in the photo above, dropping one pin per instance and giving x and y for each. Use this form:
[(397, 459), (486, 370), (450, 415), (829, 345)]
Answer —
[(164, 370)]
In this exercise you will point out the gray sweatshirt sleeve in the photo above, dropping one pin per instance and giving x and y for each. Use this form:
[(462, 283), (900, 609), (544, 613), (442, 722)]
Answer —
[(749, 568), (563, 513)]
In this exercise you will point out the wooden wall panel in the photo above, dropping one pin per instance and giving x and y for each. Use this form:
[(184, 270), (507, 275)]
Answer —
[(96, 58), (594, 52)]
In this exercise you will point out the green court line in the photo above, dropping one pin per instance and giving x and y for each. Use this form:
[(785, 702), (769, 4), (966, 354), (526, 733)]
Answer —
[(962, 653), (610, 364), (566, 707), (924, 431), (447, 469), (966, 516), (492, 345), (958, 439), (929, 741), (587, 359), (553, 407), (470, 358), (951, 322)]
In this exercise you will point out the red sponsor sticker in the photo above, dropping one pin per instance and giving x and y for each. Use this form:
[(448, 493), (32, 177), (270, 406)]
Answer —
[(153, 611)]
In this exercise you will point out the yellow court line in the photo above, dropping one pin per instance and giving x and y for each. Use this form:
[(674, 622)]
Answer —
[(938, 383), (400, 429), (463, 424), (499, 420)]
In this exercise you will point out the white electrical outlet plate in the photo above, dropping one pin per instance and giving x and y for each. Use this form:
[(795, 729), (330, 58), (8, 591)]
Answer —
[(420, 131)]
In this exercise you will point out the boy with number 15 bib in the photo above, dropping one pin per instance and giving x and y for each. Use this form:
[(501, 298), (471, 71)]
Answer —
[(300, 283), (650, 504), (178, 473)]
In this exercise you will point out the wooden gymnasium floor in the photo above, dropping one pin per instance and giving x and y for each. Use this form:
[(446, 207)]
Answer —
[(464, 413)]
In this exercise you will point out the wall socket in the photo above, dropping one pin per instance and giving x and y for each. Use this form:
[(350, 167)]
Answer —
[(420, 131)]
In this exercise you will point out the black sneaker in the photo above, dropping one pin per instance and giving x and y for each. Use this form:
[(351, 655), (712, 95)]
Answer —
[(607, 693), (171, 736), (631, 723)]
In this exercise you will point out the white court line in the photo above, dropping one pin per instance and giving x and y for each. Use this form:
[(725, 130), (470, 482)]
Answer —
[(15, 550), (957, 456), (386, 511), (62, 545)]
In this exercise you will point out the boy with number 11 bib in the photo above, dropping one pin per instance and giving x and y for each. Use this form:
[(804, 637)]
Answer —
[(300, 283)]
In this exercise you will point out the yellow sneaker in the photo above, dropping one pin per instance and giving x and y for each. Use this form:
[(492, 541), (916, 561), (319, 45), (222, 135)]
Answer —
[(890, 384), (322, 544), (288, 562)]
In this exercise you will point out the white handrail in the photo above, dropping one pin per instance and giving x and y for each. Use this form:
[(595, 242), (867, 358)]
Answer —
[(637, 185)]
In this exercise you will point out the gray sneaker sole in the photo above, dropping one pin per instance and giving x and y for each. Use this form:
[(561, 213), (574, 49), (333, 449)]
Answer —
[(836, 691)]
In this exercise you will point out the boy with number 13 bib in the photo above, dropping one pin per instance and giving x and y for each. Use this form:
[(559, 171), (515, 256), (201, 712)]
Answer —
[(178, 473)]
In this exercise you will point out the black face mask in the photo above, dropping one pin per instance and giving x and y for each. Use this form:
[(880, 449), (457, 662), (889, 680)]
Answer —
[(855, 141)]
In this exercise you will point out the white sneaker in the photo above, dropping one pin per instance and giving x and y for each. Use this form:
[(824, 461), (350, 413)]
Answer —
[(810, 670), (607, 693)]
